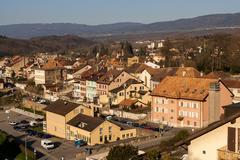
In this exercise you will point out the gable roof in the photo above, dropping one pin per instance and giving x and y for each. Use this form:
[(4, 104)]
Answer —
[(128, 102), (161, 73), (207, 129), (125, 85), (218, 74), (90, 123), (52, 64), (184, 88), (137, 68), (61, 107), (109, 76), (232, 83)]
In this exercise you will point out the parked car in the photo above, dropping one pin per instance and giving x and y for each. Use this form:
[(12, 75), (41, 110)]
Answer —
[(33, 123), (42, 101), (46, 136), (13, 123), (109, 117), (31, 132), (40, 135), (80, 142), (7, 111), (24, 122), (47, 144), (17, 128)]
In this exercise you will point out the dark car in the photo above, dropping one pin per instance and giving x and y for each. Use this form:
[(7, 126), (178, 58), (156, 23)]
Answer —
[(17, 128), (40, 135), (80, 143), (46, 136), (24, 122), (31, 132)]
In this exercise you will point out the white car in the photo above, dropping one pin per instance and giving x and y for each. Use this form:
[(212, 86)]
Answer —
[(47, 144), (109, 117), (33, 123), (7, 111), (12, 123), (42, 101)]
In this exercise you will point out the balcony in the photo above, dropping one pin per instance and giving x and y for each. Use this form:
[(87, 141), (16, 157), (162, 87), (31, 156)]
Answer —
[(224, 154)]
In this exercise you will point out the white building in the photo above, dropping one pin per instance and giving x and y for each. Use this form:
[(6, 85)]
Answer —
[(219, 140)]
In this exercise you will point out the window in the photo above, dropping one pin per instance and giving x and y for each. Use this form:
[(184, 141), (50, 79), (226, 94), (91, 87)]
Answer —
[(101, 138), (188, 123), (71, 133), (181, 104), (127, 135), (195, 124), (123, 136), (131, 134), (171, 118), (203, 152), (75, 111), (172, 110), (162, 118), (100, 130), (81, 111), (110, 129), (110, 137)]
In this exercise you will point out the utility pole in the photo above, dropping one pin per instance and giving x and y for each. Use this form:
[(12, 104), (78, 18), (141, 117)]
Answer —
[(26, 158)]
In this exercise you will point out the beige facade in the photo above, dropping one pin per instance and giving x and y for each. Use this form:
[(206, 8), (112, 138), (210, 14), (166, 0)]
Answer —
[(121, 79), (56, 123), (206, 147), (133, 60), (133, 91)]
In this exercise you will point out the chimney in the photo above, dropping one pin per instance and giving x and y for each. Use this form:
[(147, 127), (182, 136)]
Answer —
[(214, 102), (110, 77)]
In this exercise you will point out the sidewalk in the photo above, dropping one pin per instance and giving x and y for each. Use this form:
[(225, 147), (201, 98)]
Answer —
[(26, 113)]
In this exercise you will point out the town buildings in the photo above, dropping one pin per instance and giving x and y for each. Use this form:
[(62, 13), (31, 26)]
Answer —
[(219, 140), (51, 73), (189, 102), (74, 121)]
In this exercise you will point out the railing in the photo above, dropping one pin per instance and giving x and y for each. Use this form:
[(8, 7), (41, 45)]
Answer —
[(224, 154)]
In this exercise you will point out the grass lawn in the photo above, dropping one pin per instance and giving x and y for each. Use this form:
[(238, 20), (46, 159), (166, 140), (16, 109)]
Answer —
[(3, 137), (37, 128)]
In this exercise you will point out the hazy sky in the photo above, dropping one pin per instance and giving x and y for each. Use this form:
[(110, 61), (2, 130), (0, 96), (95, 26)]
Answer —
[(109, 11)]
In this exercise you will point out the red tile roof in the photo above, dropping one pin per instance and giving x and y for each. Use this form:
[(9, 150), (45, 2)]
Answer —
[(184, 88)]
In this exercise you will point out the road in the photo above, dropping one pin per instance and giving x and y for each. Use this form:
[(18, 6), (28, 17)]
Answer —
[(66, 148)]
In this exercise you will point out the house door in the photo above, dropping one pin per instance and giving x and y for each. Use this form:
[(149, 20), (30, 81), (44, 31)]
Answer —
[(231, 139), (105, 139)]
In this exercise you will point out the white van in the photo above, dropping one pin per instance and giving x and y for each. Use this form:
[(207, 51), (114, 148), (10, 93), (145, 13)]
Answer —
[(47, 144)]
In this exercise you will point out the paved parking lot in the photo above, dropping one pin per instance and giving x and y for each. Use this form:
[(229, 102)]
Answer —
[(66, 148)]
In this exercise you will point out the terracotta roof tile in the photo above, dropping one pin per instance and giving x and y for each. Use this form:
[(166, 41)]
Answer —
[(52, 64), (183, 88), (128, 102)]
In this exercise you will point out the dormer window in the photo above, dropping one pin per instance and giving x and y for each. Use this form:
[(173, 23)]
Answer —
[(82, 124)]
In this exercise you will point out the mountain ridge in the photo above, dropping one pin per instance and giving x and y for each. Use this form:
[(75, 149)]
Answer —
[(120, 28)]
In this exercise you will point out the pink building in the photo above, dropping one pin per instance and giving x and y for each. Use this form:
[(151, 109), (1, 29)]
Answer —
[(189, 102)]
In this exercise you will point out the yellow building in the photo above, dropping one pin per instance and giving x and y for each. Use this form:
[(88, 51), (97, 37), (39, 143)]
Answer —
[(73, 121), (132, 60), (131, 89), (59, 113), (95, 130)]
